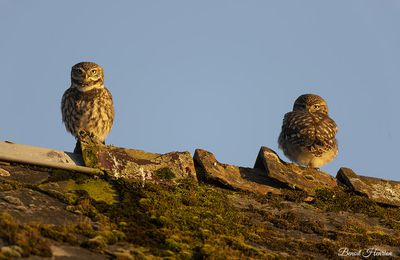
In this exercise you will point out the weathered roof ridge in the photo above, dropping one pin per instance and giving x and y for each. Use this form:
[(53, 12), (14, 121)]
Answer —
[(40, 156), (270, 173)]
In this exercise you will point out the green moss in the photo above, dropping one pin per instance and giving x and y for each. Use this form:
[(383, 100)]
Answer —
[(112, 236), (57, 175), (187, 220), (292, 221), (339, 200), (89, 153), (6, 187), (59, 233), (181, 219), (164, 173), (71, 197), (27, 237), (98, 243), (294, 195), (97, 189), (9, 185)]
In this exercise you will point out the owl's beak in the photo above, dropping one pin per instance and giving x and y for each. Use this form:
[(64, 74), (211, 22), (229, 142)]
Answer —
[(86, 78)]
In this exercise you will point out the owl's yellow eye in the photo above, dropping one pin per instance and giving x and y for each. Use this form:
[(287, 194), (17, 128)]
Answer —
[(316, 106), (94, 72)]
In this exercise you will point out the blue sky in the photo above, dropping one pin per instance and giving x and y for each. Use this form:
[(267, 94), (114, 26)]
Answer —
[(217, 75)]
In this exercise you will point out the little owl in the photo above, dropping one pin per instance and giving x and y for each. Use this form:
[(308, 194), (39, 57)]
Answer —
[(308, 135), (87, 106)]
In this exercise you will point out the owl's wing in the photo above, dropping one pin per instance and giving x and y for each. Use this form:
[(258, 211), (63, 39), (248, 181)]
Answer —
[(67, 103), (315, 132), (325, 133), (111, 105), (298, 128)]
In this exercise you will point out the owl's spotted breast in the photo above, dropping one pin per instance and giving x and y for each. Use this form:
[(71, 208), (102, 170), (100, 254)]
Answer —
[(91, 111)]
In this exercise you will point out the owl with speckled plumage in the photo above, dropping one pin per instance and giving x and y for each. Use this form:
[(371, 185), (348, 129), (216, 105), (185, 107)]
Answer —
[(308, 135), (87, 105)]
